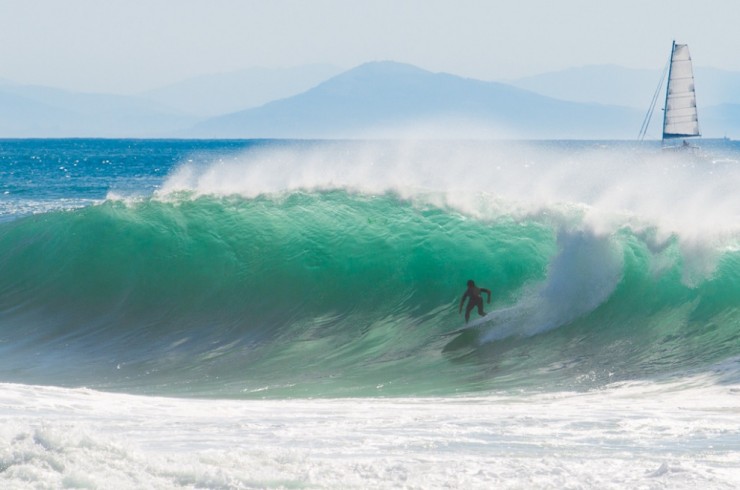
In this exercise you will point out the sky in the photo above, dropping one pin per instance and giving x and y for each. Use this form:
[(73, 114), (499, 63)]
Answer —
[(130, 46)]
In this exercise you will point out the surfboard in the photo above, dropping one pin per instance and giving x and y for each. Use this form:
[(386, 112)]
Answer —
[(471, 324), (454, 332)]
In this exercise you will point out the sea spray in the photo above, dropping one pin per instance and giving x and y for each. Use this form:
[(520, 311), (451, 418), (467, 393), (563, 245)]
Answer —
[(581, 276)]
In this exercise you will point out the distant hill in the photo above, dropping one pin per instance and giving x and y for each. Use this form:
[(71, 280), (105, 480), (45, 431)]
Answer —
[(374, 100), (616, 85), (716, 87), (211, 95), (22, 117), (33, 111), (720, 120), (717, 93), (600, 84), (386, 99)]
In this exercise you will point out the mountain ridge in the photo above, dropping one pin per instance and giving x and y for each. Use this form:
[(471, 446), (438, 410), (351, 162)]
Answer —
[(382, 99), (384, 94), (215, 94)]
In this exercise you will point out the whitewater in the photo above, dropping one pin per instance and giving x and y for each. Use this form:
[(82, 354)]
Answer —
[(278, 314)]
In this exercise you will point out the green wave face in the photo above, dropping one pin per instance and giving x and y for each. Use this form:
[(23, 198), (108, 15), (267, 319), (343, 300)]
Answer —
[(277, 268), (332, 293)]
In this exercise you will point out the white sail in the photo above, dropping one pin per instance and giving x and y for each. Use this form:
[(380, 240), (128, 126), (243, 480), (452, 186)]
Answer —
[(681, 118)]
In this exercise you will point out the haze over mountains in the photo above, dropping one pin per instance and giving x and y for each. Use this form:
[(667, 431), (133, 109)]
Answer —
[(386, 99), (378, 99), (611, 84), (218, 94)]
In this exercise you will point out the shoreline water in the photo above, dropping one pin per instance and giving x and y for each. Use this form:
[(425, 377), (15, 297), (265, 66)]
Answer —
[(631, 435)]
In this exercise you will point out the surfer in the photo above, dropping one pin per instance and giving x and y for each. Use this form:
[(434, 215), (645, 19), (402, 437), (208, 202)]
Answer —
[(473, 293)]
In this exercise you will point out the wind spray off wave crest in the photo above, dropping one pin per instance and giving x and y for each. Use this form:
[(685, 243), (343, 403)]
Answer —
[(597, 188), (677, 192)]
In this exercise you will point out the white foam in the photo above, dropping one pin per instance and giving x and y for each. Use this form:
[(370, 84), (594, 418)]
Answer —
[(604, 187), (11, 209), (628, 436), (580, 277)]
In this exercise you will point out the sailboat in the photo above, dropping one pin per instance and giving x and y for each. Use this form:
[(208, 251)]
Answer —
[(680, 117)]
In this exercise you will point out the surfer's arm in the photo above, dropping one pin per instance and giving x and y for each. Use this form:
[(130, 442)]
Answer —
[(488, 292), (462, 301)]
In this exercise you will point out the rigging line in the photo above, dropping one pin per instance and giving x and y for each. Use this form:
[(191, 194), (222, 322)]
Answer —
[(649, 115)]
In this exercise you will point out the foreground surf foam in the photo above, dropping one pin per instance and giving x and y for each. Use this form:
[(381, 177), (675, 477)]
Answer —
[(626, 435)]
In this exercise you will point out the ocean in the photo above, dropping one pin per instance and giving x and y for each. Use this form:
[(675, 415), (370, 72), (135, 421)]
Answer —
[(284, 314)]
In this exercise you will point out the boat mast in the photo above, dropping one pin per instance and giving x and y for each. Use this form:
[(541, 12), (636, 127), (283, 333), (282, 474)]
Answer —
[(668, 87)]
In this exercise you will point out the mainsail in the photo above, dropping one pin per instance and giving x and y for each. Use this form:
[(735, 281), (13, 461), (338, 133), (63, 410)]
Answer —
[(680, 119)]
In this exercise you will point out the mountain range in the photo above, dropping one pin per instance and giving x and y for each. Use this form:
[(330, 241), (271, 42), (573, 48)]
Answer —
[(374, 100), (387, 99), (218, 94)]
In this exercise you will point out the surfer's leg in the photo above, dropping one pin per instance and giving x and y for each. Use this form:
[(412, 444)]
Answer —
[(480, 308), (468, 309)]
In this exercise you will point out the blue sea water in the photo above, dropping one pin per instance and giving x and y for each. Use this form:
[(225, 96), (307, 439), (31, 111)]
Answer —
[(332, 270)]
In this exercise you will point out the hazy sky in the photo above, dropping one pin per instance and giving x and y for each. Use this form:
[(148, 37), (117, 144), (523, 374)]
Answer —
[(133, 45)]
